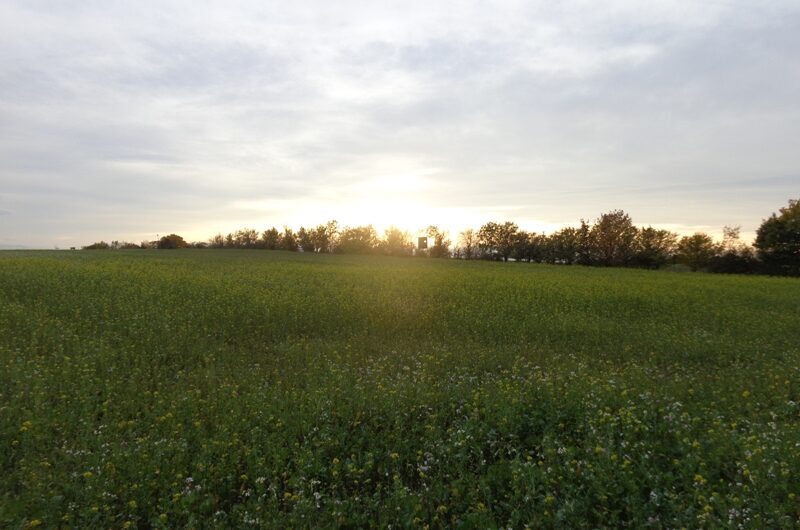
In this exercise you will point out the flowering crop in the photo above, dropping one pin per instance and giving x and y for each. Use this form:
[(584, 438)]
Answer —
[(158, 389)]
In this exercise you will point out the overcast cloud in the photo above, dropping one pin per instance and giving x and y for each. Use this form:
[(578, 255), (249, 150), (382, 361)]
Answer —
[(122, 120)]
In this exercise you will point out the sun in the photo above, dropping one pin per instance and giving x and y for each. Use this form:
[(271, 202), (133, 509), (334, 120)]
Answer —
[(400, 200)]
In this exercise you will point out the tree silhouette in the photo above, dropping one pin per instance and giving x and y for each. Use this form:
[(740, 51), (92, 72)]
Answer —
[(441, 244), (497, 240), (305, 240), (324, 237), (468, 244), (612, 239), (396, 242), (288, 240), (172, 241), (358, 240), (778, 241), (271, 239), (697, 250), (246, 238), (217, 241), (654, 247)]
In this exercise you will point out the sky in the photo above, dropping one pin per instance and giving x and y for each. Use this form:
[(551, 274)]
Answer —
[(125, 120)]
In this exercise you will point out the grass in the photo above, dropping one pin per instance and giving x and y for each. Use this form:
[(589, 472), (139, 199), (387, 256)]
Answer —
[(218, 389)]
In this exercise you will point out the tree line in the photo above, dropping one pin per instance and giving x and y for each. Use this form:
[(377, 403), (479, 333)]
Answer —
[(611, 240)]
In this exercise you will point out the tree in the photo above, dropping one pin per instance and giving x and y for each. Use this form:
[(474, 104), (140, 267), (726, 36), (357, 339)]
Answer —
[(537, 247), (288, 240), (441, 245), (172, 241), (654, 248), (217, 241), (100, 245), (497, 240), (612, 239), (304, 239), (778, 241), (564, 246), (527, 247), (734, 257), (246, 238), (697, 250), (358, 240), (520, 250), (323, 237), (396, 242), (468, 244), (271, 239)]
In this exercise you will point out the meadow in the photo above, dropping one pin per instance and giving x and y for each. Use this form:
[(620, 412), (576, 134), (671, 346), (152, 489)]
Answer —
[(235, 389)]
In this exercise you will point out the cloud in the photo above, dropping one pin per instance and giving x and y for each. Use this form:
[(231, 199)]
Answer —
[(121, 120)]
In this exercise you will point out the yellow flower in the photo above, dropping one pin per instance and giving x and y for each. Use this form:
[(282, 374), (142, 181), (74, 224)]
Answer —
[(87, 474)]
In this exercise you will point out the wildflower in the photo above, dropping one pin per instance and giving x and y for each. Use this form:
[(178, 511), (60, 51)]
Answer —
[(87, 474)]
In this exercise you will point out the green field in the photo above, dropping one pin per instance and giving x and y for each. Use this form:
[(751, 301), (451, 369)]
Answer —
[(143, 389)]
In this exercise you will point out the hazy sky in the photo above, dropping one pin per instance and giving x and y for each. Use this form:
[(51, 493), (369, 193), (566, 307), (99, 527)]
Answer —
[(123, 120)]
